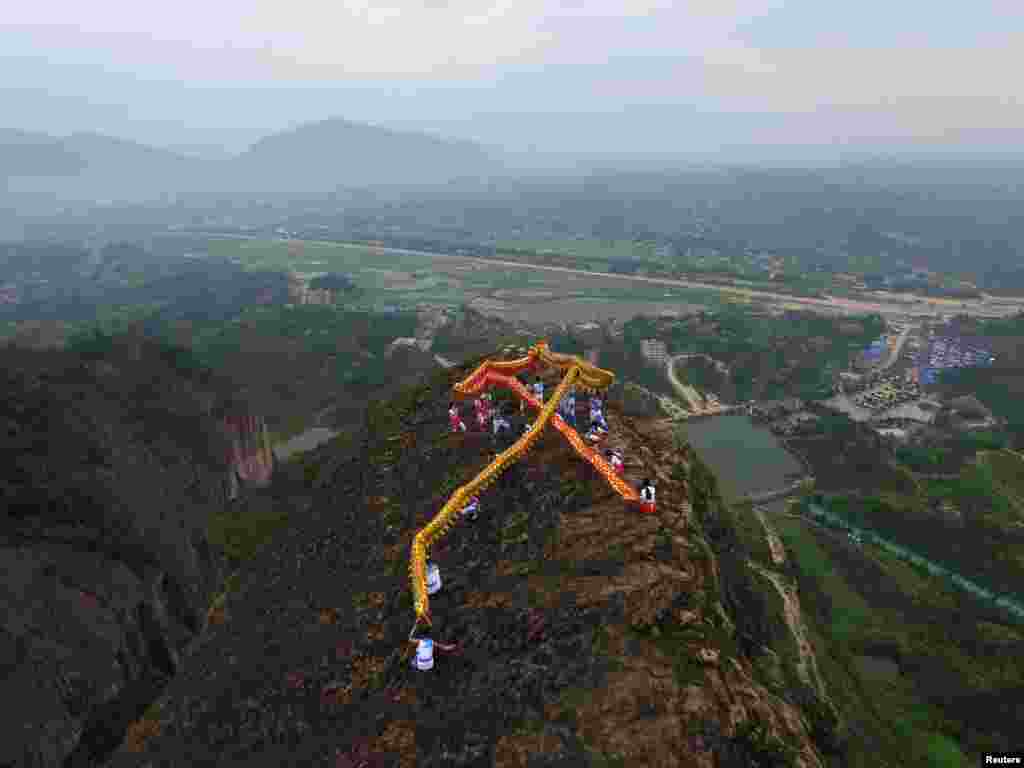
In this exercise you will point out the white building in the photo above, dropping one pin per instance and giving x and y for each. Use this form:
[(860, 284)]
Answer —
[(299, 291), (654, 351)]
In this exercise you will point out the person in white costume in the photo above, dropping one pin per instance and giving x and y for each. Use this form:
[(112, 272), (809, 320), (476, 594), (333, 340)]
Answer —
[(472, 510), (433, 578), (425, 646)]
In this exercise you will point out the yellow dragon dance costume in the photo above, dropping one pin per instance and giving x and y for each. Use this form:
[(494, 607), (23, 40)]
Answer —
[(494, 373)]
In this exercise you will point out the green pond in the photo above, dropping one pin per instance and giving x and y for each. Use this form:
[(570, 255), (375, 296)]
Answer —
[(745, 457)]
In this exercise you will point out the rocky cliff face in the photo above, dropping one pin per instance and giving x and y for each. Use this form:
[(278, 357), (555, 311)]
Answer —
[(586, 632), (108, 475)]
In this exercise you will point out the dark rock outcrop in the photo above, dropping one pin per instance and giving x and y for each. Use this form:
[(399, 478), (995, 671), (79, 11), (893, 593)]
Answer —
[(634, 400), (470, 333), (410, 359), (113, 459)]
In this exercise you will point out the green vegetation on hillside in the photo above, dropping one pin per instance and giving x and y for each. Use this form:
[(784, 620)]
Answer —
[(902, 655), (318, 329), (950, 452), (969, 523), (768, 357), (240, 534)]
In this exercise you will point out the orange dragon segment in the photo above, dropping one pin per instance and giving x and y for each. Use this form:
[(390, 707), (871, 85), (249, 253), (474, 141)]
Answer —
[(495, 373)]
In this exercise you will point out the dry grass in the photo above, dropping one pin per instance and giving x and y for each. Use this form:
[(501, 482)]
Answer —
[(399, 738), (139, 733), (515, 750), (216, 616), (369, 600), (478, 600), (365, 670), (329, 616), (338, 696)]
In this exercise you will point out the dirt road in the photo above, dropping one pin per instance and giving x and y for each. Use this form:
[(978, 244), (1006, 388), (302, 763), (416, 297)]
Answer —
[(807, 666), (774, 542)]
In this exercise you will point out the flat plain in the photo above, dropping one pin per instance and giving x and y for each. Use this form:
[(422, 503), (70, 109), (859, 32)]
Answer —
[(402, 279)]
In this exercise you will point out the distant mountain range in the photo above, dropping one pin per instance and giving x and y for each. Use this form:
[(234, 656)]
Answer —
[(312, 158), (42, 172), (36, 154)]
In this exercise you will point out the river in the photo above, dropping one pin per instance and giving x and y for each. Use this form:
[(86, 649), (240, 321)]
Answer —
[(747, 458)]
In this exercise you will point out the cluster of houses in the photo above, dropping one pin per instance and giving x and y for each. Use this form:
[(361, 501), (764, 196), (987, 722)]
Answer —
[(951, 352), (890, 392), (654, 351), (321, 288)]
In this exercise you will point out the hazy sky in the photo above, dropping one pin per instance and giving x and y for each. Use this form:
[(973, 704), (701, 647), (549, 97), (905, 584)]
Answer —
[(685, 76)]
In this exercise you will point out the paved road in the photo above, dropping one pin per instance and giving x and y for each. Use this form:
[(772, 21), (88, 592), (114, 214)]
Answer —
[(681, 390), (677, 385), (719, 365), (900, 341), (444, 362), (834, 304)]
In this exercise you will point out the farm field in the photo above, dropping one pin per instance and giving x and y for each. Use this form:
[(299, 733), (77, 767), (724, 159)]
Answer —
[(599, 251), (578, 310), (856, 632), (691, 290), (519, 294), (1007, 469)]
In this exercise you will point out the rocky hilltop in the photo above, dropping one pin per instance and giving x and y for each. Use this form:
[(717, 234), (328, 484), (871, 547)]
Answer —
[(586, 633)]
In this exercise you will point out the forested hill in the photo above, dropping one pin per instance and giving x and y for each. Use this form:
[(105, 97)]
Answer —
[(322, 155)]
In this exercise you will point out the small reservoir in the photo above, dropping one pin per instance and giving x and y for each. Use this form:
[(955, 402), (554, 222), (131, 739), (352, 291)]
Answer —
[(747, 458)]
